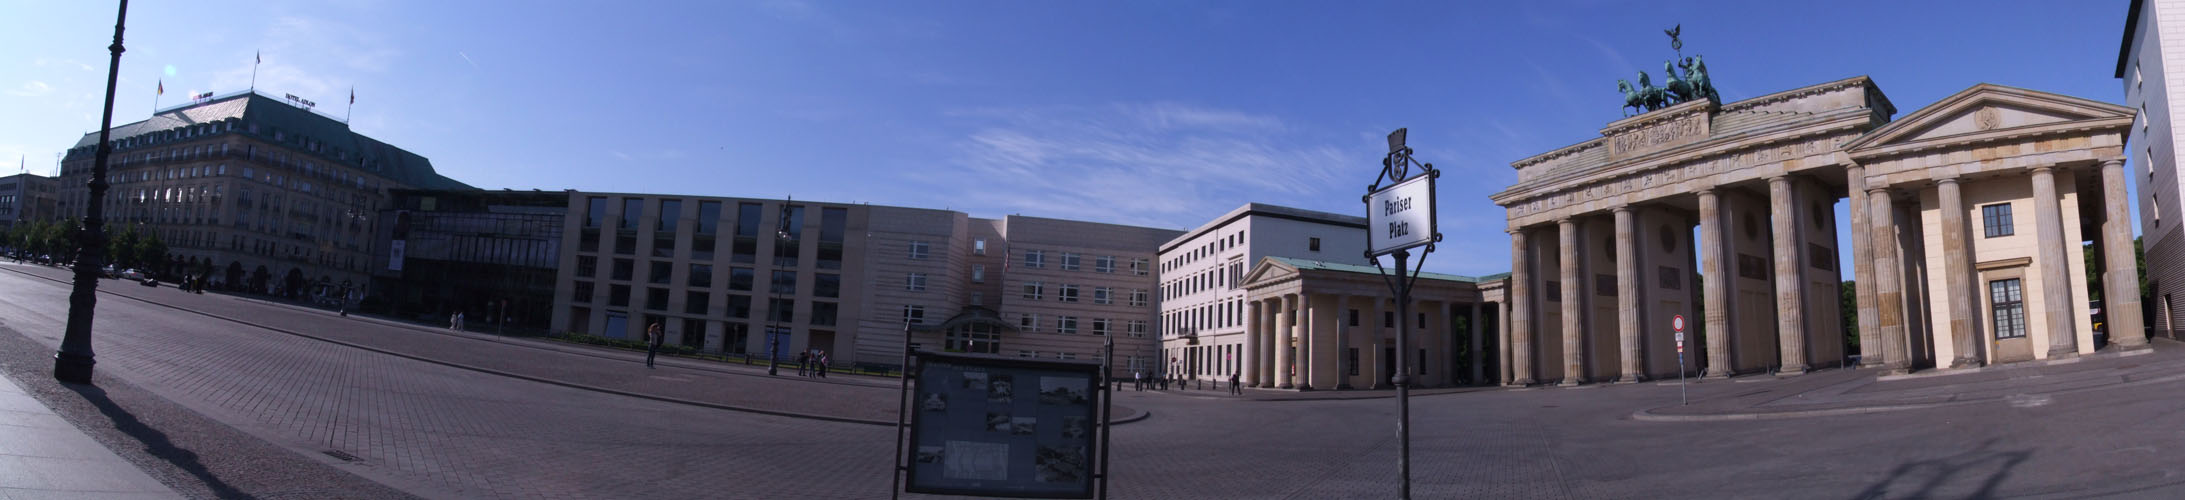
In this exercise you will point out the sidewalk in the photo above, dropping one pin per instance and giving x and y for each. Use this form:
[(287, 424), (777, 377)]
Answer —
[(43, 456), (1851, 392)]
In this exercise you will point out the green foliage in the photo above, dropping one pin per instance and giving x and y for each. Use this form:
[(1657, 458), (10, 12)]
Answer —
[(2095, 268), (1848, 302)]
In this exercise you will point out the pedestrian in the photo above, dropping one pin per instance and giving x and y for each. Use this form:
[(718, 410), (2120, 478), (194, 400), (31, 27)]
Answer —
[(653, 335), (1233, 387), (1138, 380), (801, 358), (823, 360), (455, 321)]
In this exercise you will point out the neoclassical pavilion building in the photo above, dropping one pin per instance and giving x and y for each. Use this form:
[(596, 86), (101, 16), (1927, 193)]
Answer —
[(1967, 219)]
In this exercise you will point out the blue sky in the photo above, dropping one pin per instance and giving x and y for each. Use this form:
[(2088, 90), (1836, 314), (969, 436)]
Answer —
[(1157, 113)]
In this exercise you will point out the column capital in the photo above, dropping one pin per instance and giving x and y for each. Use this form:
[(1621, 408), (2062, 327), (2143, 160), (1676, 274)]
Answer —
[(1947, 180), (2112, 162), (1621, 209), (1877, 191), (2046, 169)]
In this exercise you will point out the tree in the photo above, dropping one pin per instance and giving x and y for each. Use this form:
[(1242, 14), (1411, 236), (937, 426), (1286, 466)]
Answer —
[(121, 248), (1849, 303), (151, 251), (2095, 268)]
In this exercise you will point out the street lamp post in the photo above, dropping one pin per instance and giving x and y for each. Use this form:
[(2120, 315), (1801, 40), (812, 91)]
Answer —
[(773, 293), (74, 361), (1396, 223)]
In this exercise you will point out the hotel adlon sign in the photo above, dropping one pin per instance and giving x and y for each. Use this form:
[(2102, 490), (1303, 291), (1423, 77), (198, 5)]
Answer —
[(1401, 215)]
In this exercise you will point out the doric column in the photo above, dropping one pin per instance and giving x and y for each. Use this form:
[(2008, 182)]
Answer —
[(1957, 273), (1252, 343), (1374, 329), (1627, 292), (1519, 339), (1307, 357), (1888, 282), (1862, 266), (1285, 365), (1269, 309), (1479, 359), (2127, 330), (2048, 223), (1343, 332), (1715, 278), (1574, 313), (1790, 296)]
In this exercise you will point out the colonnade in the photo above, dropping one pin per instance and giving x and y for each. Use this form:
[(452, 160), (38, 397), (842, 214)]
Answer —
[(1306, 341)]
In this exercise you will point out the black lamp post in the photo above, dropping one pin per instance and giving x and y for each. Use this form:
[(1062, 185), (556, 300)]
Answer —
[(773, 293), (73, 363)]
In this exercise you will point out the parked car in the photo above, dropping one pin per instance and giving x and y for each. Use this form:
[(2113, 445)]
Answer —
[(149, 282), (109, 272), (132, 275)]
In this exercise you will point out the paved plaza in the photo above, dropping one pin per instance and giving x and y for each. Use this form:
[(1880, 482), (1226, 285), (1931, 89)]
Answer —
[(223, 396)]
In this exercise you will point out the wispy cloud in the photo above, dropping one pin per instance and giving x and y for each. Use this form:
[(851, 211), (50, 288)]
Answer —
[(466, 58), (1160, 164), (311, 58), (31, 88)]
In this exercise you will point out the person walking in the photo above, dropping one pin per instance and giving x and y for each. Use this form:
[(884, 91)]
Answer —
[(1233, 387), (653, 336), (803, 356), (1138, 380), (823, 364)]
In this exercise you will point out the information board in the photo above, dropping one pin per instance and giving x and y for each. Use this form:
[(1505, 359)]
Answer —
[(992, 426)]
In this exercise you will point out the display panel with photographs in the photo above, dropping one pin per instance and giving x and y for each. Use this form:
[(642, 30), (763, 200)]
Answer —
[(992, 426)]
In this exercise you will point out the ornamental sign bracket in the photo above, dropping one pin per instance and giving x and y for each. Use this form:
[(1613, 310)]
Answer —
[(1400, 215)]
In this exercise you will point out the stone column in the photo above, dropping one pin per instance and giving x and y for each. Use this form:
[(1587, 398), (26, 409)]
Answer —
[(1888, 282), (1503, 373), (1378, 379), (1308, 361), (2048, 222), (1252, 343), (1790, 296), (1627, 292), (1268, 311), (1520, 345), (1715, 289), (1957, 273), (2126, 330), (1862, 266), (1343, 332), (1284, 366), (1479, 359), (1574, 312)]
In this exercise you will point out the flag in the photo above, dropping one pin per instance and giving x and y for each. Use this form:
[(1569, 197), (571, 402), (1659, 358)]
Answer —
[(258, 57), (352, 95), (162, 87)]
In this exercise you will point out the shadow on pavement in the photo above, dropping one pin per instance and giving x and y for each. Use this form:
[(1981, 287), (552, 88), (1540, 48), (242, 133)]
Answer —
[(1921, 478), (154, 441)]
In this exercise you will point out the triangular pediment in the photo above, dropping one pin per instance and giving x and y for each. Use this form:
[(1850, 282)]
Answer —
[(1989, 110), (1269, 270)]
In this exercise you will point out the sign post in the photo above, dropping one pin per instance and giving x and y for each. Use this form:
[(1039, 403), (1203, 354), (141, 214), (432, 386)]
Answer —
[(1400, 216), (1677, 323)]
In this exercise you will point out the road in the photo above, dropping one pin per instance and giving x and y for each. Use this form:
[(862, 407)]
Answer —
[(438, 431)]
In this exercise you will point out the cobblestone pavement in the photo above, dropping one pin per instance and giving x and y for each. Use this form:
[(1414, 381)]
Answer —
[(439, 431)]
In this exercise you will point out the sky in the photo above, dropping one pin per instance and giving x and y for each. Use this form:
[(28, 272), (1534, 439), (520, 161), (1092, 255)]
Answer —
[(1155, 113)]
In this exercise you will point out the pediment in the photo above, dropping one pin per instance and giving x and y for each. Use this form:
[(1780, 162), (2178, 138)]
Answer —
[(1987, 110), (1269, 270)]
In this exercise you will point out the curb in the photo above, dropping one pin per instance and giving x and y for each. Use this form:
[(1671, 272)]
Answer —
[(1142, 414), (1649, 415)]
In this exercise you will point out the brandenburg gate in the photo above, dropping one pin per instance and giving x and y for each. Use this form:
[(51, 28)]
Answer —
[(1968, 219)]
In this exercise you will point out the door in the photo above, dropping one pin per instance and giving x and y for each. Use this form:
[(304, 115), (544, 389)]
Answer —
[(618, 325), (2007, 318), (1388, 367), (777, 343)]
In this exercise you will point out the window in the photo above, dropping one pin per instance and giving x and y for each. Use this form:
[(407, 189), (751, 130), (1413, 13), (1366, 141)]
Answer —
[(1137, 328), (739, 306), (583, 292), (1138, 266), (1100, 326), (783, 310), (978, 246), (785, 282), (1137, 298), (660, 273), (1034, 290), (916, 282), (695, 302), (1035, 259), (978, 298), (1312, 244), (1066, 324), (2008, 309), (1388, 319), (918, 250), (823, 313), (1069, 262), (671, 211), (587, 266), (978, 273), (1104, 264), (1353, 317), (827, 285), (1103, 295), (1996, 219), (740, 278), (1028, 322), (701, 276), (656, 299), (1068, 293), (631, 209), (624, 269)]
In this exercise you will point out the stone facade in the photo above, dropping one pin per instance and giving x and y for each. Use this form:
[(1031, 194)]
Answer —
[(1315, 325)]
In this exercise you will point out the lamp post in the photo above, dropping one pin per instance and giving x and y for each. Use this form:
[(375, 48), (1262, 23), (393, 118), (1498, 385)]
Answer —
[(1397, 221), (73, 362), (773, 293)]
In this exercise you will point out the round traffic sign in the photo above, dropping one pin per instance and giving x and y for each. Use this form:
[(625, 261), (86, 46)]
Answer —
[(1677, 323)]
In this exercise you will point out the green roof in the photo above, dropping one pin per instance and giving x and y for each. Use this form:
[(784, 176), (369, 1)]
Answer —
[(1304, 264), (396, 164)]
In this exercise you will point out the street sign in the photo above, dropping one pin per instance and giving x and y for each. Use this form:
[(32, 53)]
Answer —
[(1400, 216), (1678, 324)]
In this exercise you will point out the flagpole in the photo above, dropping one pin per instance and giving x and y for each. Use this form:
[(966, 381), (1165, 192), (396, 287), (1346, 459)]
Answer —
[(352, 106), (256, 59)]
